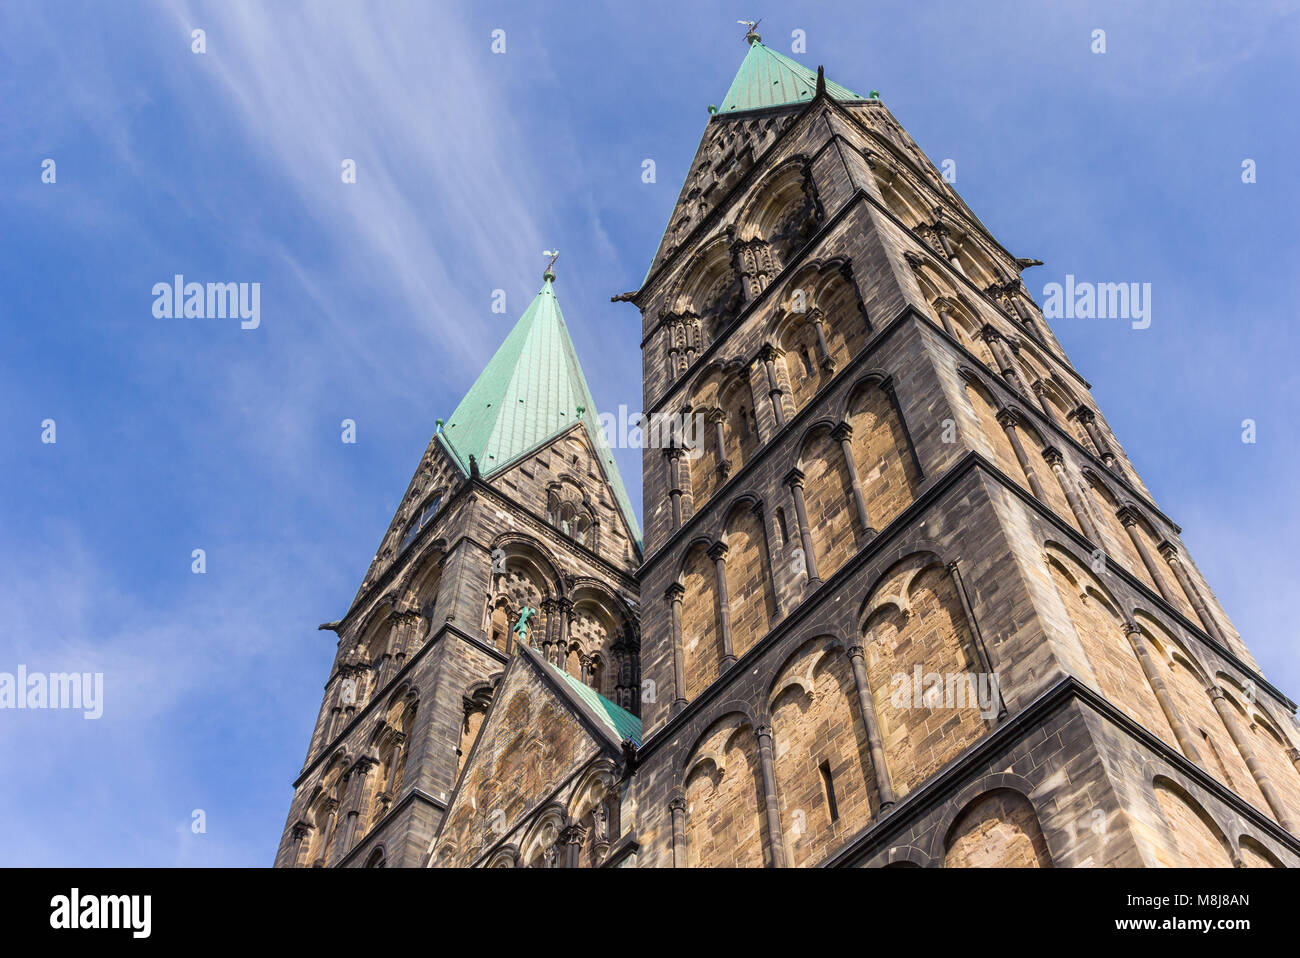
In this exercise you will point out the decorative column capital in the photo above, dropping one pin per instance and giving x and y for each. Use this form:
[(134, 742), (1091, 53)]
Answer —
[(301, 829), (678, 804), (574, 834), (718, 551), (716, 415), (1053, 457), (763, 731), (855, 651), (842, 432), (794, 477), (1008, 417), (768, 353), (1131, 627), (1084, 415), (1216, 693), (675, 592), (1168, 551), (989, 333)]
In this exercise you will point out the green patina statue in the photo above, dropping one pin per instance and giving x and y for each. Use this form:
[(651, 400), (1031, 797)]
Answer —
[(521, 627)]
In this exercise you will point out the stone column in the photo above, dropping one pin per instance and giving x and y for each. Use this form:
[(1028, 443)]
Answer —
[(301, 830), (677, 807), (977, 637), (1089, 422), (843, 433), (887, 387), (676, 592), (724, 465), (1045, 404), (774, 385), (399, 742), (356, 794), (1181, 732), (944, 310), (548, 633), (875, 743), (1008, 419), (794, 479), (673, 456), (332, 806), (562, 644), (718, 553), (765, 761), (1241, 739), (767, 555), (572, 838), (1057, 463), (819, 327), (1128, 517), (1170, 553)]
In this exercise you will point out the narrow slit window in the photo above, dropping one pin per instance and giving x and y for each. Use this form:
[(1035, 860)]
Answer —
[(828, 783)]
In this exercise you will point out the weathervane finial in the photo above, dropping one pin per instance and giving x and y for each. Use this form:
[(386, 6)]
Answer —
[(550, 267), (751, 35)]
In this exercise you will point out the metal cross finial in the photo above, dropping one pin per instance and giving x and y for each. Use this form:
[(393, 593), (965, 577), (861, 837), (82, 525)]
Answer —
[(751, 36), (554, 255)]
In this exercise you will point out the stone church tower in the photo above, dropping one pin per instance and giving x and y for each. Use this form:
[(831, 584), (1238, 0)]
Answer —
[(904, 600), (516, 512)]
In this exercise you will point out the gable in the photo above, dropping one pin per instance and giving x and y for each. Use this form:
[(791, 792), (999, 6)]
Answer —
[(531, 741), (565, 481)]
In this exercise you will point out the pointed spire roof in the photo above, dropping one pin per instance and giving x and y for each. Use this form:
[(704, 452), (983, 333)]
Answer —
[(767, 78), (530, 392)]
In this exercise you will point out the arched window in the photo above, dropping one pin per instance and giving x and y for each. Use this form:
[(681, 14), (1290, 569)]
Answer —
[(422, 519)]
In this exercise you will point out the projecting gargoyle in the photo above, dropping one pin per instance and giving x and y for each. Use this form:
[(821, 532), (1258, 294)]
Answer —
[(1024, 262)]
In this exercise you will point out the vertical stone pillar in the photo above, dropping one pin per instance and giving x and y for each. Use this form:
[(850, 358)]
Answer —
[(875, 742), (673, 457), (1045, 404), (774, 385), (724, 465), (1241, 738), (794, 479), (1157, 682), (977, 636), (1170, 553), (677, 808), (1089, 422), (1128, 517), (1057, 463), (944, 309), (676, 592), (572, 839), (327, 834), (1009, 418), (843, 433), (718, 553), (770, 569), (887, 387), (770, 805), (823, 348), (562, 643), (301, 830)]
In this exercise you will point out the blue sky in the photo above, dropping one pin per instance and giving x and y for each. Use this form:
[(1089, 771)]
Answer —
[(375, 306)]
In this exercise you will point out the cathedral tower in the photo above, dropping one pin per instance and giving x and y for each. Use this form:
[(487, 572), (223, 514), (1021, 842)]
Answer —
[(906, 601), (515, 542)]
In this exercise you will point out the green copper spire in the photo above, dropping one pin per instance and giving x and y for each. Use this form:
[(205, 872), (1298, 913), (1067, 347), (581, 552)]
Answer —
[(767, 78), (531, 390)]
